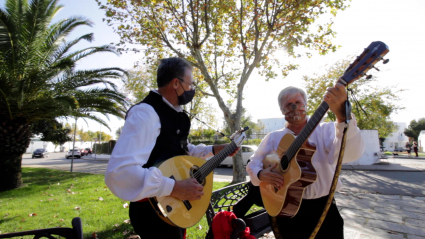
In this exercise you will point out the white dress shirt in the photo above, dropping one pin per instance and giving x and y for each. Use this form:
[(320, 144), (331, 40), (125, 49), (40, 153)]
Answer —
[(327, 139), (125, 176)]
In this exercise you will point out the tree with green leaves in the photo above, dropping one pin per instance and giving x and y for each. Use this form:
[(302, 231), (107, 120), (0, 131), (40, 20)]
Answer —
[(142, 79), (51, 130), (83, 136), (225, 40), (246, 120), (102, 136), (377, 101), (38, 79), (414, 128)]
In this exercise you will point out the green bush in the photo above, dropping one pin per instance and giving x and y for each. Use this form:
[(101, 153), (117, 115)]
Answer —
[(210, 141), (252, 141)]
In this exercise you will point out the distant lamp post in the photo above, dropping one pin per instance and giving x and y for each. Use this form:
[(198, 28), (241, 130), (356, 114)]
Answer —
[(95, 148), (73, 144)]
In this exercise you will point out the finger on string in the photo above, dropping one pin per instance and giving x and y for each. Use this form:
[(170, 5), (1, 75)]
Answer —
[(273, 166)]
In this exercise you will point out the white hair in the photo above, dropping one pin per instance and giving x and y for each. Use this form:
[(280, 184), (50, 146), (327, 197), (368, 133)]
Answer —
[(290, 91)]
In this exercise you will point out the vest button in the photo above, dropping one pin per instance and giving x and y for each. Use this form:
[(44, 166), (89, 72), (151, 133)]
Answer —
[(178, 131)]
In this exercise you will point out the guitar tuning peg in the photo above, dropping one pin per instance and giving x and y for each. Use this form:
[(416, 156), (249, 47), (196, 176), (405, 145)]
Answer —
[(368, 77), (385, 61), (375, 68)]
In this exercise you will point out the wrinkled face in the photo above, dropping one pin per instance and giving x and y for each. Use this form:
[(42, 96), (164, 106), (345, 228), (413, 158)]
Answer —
[(294, 109)]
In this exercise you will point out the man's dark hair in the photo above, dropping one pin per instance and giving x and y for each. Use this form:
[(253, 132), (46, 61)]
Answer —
[(170, 68)]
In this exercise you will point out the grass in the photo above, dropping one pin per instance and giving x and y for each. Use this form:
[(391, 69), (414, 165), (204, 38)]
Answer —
[(51, 198)]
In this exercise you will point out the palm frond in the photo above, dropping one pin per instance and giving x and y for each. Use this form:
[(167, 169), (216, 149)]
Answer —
[(78, 55), (89, 77), (37, 75), (92, 117), (60, 30), (62, 49), (8, 105)]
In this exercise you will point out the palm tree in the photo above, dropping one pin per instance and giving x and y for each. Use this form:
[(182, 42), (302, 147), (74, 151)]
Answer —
[(38, 79)]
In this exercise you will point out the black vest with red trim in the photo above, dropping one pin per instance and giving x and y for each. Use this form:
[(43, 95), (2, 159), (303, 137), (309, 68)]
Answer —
[(175, 126)]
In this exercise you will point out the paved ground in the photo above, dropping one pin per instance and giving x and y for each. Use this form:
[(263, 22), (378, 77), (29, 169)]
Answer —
[(378, 201)]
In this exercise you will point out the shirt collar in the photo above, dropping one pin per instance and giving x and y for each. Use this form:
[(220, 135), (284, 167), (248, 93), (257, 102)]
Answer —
[(176, 108)]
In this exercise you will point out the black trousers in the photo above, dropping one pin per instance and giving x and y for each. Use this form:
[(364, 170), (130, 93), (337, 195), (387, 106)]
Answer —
[(148, 225), (303, 223)]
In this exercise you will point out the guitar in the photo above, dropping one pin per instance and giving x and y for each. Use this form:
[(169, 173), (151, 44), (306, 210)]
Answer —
[(186, 213), (300, 173)]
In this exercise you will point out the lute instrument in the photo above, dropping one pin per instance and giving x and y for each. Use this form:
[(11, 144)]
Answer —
[(186, 213)]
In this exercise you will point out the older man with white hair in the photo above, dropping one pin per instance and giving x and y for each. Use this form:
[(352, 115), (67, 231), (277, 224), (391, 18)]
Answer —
[(326, 138)]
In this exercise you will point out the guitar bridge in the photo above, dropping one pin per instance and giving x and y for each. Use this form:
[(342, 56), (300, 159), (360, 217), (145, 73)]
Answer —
[(187, 204), (158, 208)]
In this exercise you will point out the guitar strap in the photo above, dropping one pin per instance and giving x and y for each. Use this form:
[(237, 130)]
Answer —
[(337, 171)]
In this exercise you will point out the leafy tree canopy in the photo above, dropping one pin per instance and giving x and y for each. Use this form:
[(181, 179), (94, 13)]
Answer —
[(377, 101), (225, 40), (142, 79), (415, 128), (51, 130)]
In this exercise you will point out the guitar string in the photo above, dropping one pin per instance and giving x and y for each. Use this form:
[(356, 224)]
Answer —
[(207, 167), (303, 133), (211, 164), (309, 127)]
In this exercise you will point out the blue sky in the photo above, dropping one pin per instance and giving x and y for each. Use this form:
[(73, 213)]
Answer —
[(399, 24)]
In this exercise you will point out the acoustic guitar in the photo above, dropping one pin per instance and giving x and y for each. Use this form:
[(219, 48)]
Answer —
[(185, 214), (294, 155)]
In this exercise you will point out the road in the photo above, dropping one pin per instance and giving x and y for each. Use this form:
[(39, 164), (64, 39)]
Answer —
[(376, 182)]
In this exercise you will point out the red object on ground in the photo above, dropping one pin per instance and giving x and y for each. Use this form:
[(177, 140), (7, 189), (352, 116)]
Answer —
[(222, 226)]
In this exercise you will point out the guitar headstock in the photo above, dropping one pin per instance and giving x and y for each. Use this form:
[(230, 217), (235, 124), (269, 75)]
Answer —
[(366, 61), (239, 136)]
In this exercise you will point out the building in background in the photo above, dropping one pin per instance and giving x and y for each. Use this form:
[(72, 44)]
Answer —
[(270, 125), (396, 140)]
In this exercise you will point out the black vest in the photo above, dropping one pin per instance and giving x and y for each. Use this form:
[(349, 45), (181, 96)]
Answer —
[(175, 126)]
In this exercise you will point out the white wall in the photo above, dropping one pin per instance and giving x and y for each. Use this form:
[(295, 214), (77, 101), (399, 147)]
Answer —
[(397, 138), (371, 141), (272, 124)]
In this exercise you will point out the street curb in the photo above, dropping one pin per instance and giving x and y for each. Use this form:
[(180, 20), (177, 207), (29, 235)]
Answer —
[(344, 167), (383, 170)]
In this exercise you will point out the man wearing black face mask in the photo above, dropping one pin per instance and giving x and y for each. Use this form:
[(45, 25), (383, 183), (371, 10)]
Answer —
[(155, 130)]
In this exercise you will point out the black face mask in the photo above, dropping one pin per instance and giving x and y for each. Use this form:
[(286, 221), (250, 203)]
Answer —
[(186, 97)]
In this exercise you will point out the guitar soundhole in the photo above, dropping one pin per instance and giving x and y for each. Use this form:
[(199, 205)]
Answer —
[(194, 173), (284, 162)]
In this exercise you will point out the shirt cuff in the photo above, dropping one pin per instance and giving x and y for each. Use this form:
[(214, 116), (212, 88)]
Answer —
[(166, 187), (256, 181)]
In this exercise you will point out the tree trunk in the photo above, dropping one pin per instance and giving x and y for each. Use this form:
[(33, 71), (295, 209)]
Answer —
[(14, 140), (239, 172)]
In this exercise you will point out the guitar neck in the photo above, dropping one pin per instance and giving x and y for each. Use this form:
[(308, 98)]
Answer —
[(215, 161), (306, 131)]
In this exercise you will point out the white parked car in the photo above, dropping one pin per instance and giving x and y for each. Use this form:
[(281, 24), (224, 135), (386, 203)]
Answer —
[(77, 154), (247, 152)]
